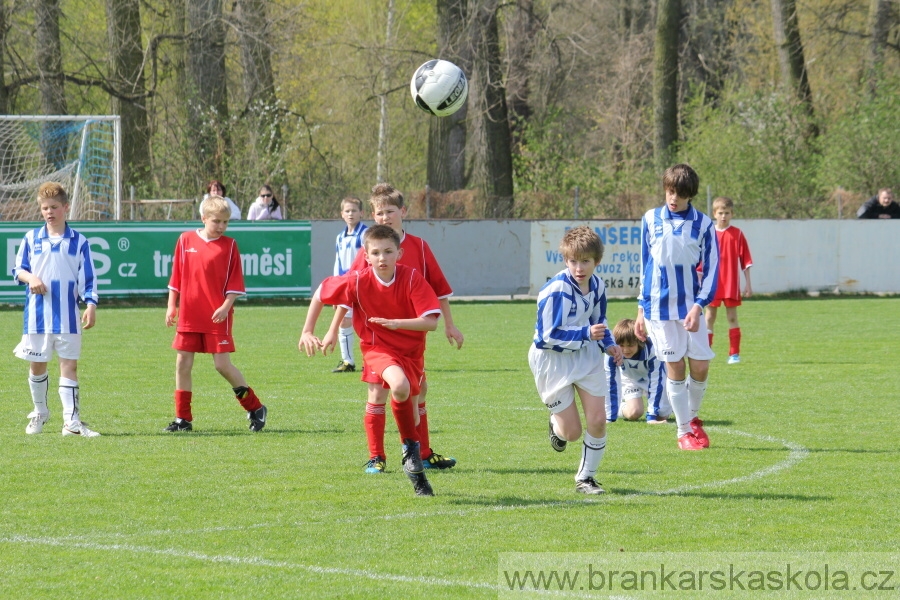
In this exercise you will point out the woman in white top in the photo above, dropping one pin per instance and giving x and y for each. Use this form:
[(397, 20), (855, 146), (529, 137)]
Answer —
[(265, 207), (217, 188)]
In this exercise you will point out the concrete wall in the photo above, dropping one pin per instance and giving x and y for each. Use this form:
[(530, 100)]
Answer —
[(492, 258)]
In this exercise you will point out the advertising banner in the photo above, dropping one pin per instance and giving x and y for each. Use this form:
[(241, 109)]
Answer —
[(620, 268), (135, 259)]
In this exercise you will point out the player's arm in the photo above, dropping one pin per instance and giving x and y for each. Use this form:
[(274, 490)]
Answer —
[(692, 320), (748, 288), (640, 331), (331, 338), (221, 313), (425, 323), (172, 308), (309, 343), (454, 335), (34, 283), (89, 316)]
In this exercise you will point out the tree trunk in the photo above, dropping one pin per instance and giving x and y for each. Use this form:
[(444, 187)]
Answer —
[(665, 80), (208, 110), (879, 26), (383, 96), (493, 153), (126, 76), (48, 56), (446, 168), (4, 92), (790, 55), (258, 79)]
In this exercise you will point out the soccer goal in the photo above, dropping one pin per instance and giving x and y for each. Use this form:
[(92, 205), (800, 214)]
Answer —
[(83, 153)]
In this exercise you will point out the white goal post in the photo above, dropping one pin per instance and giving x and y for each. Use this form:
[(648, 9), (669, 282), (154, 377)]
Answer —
[(81, 152)]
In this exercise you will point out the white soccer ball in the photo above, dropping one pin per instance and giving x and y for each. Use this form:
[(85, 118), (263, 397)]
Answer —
[(439, 87)]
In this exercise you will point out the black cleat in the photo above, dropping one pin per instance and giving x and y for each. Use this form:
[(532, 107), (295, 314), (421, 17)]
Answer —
[(556, 442), (420, 484), (344, 367), (179, 425), (258, 418), (414, 469)]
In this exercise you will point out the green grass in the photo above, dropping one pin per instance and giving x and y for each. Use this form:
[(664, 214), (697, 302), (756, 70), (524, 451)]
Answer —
[(804, 458)]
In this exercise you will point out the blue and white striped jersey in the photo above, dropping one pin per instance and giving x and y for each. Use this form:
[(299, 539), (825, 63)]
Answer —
[(671, 248), (65, 266), (565, 315), (347, 247), (642, 368)]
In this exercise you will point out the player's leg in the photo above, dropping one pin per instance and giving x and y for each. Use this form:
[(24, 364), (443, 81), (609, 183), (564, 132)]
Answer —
[(39, 385), (632, 409), (670, 343), (593, 444), (734, 335), (403, 409), (711, 313), (699, 356), (430, 458), (373, 423), (256, 411), (345, 341)]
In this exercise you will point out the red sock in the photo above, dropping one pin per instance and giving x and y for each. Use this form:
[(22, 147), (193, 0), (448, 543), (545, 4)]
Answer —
[(183, 405), (422, 429), (406, 419), (734, 340), (248, 400), (710, 339), (374, 426)]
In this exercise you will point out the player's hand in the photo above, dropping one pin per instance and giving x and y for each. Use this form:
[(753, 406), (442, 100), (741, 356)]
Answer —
[(597, 331), (616, 353), (37, 287), (692, 320), (329, 342), (640, 329), (309, 343), (391, 324), (171, 316), (454, 336), (89, 316), (220, 315)]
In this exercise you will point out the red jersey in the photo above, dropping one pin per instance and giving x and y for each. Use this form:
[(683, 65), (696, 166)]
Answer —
[(734, 257), (203, 272), (406, 296), (418, 255)]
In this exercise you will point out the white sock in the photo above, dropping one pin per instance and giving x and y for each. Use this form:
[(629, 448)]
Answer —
[(696, 390), (39, 385), (592, 451), (68, 395), (346, 339), (678, 397)]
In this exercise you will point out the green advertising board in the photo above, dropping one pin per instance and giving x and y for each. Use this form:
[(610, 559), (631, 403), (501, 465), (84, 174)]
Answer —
[(135, 259)]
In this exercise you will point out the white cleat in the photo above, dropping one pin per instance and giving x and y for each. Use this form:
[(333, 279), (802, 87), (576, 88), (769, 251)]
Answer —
[(79, 428), (36, 424)]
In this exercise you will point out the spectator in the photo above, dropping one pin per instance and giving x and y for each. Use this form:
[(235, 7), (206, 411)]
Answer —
[(217, 188), (880, 206), (266, 207)]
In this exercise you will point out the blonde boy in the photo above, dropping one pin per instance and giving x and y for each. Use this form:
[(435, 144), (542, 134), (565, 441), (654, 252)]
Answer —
[(54, 262), (566, 354)]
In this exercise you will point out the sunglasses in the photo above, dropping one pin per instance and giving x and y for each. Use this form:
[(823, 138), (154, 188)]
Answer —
[(265, 195)]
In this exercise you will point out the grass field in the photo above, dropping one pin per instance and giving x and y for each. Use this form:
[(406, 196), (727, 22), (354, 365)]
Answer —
[(804, 458)]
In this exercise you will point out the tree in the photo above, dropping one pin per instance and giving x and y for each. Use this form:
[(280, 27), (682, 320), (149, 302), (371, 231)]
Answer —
[(879, 26), (491, 156), (260, 99), (48, 59), (665, 80), (446, 168), (126, 76), (790, 55)]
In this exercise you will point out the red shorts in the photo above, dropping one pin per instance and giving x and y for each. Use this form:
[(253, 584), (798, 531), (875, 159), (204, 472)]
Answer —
[(208, 343), (376, 361), (729, 302)]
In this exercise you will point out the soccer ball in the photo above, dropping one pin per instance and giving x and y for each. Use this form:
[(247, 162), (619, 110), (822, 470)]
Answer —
[(439, 87)]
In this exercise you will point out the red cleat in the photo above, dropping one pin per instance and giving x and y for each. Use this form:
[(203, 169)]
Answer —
[(689, 442), (697, 428)]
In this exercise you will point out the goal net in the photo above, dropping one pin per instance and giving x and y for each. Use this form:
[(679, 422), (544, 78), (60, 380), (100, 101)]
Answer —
[(80, 152)]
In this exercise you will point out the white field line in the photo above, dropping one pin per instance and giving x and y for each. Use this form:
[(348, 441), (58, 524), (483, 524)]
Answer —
[(796, 455)]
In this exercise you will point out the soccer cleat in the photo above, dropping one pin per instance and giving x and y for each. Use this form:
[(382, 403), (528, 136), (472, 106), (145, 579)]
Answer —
[(438, 461), (689, 442), (556, 442), (179, 425), (412, 465), (588, 485), (697, 429), (258, 418), (421, 485), (79, 428), (656, 420), (36, 424), (376, 465), (734, 359), (344, 367)]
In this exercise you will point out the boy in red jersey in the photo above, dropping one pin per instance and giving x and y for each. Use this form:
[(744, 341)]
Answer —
[(388, 208), (206, 280), (393, 308), (734, 256)]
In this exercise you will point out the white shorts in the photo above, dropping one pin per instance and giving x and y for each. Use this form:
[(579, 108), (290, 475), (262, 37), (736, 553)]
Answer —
[(39, 347), (556, 372), (672, 342)]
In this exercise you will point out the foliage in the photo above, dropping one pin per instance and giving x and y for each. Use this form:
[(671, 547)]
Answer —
[(289, 513)]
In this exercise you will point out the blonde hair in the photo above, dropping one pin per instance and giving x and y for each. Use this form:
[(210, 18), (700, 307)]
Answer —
[(214, 205), (351, 200), (385, 194), (581, 241), (723, 202), (52, 191)]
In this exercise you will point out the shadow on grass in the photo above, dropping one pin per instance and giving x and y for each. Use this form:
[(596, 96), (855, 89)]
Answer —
[(433, 370), (223, 433), (513, 501), (721, 496)]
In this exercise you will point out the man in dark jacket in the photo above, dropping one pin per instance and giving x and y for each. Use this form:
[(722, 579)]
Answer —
[(880, 206)]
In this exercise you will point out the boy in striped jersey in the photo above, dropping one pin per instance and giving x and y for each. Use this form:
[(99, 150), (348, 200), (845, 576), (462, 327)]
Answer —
[(675, 239), (640, 374), (565, 356), (54, 263), (346, 247)]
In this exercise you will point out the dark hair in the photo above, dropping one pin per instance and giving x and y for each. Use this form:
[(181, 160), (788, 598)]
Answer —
[(218, 183), (381, 232), (274, 205), (683, 180)]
